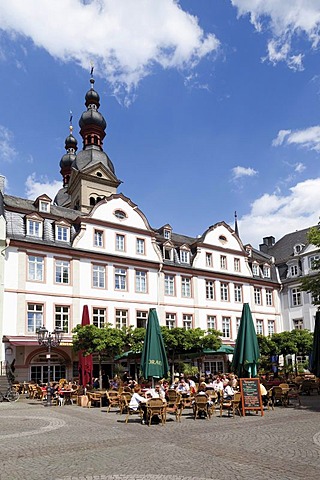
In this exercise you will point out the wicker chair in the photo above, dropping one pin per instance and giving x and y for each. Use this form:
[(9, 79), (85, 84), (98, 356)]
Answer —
[(232, 405), (156, 407), (200, 406)]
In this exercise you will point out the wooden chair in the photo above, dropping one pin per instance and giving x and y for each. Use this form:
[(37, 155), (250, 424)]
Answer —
[(294, 394), (131, 411), (200, 406), (41, 394), (113, 399), (156, 407), (124, 401), (94, 398), (174, 406), (280, 395), (231, 405)]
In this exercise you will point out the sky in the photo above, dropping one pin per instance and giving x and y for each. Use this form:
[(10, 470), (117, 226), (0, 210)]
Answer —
[(212, 106)]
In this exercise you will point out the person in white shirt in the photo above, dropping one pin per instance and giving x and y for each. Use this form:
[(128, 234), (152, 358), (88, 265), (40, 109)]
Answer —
[(137, 401), (218, 385), (183, 387), (155, 392), (228, 392)]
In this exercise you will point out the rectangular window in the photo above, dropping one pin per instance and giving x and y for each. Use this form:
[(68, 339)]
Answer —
[(295, 297), (44, 206), (99, 276), (171, 320), (270, 328), (184, 256), (223, 262), (62, 271), (62, 233), (169, 285), (238, 293), (209, 289), (98, 238), (213, 368), (186, 287), (269, 297), (62, 317), (168, 254), (237, 264), (34, 228), (312, 262), (141, 281), (266, 271), (35, 268), (99, 317), (120, 279), (187, 321), (211, 321), (35, 317), (297, 323), (238, 320), (257, 295), (226, 321), (224, 292), (142, 319), (259, 327), (121, 318), (167, 234), (255, 269), (294, 270), (140, 246), (209, 259), (120, 242)]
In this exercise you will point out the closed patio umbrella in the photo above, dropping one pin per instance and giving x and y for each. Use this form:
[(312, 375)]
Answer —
[(154, 362), (315, 355), (246, 351), (85, 361)]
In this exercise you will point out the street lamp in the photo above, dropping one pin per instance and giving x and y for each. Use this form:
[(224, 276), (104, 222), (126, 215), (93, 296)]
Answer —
[(49, 340)]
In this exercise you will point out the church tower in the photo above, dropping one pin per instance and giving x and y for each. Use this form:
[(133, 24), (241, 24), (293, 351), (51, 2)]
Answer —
[(88, 176)]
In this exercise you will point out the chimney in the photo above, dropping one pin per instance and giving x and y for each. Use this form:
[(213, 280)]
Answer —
[(267, 243)]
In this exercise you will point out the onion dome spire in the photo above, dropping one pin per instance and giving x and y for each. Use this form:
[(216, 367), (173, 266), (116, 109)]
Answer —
[(69, 157)]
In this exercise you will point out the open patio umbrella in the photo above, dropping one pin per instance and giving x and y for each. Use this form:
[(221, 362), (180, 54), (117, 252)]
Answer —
[(85, 361), (246, 351), (154, 362), (315, 355)]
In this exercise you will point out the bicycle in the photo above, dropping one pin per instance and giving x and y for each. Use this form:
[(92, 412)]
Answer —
[(11, 395)]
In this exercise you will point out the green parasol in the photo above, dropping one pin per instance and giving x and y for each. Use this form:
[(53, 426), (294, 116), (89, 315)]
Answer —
[(246, 351), (154, 362)]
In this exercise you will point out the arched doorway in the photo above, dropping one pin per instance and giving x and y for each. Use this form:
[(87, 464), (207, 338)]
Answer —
[(39, 367)]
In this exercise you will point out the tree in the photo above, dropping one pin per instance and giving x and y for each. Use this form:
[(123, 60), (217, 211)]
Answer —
[(311, 283), (91, 339), (267, 348), (133, 341)]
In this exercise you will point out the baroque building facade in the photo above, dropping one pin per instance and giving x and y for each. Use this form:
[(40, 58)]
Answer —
[(92, 245)]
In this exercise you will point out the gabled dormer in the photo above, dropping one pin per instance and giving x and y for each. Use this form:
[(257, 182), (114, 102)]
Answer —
[(34, 225), (168, 251), (43, 203)]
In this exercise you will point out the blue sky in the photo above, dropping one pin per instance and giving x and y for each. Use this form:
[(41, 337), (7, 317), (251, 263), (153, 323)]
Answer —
[(212, 106)]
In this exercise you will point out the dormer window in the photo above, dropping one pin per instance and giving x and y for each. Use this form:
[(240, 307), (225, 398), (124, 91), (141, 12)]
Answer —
[(168, 253), (35, 226), (312, 262), (297, 248), (294, 271), (255, 269), (62, 232), (266, 271), (44, 206), (184, 256), (167, 234)]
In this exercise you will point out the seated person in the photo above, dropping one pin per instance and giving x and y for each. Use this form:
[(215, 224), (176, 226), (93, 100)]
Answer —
[(183, 387), (96, 383), (228, 392), (264, 394), (137, 401), (155, 392), (218, 386)]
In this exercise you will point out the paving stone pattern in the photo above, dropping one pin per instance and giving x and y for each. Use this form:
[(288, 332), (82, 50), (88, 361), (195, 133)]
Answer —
[(74, 443)]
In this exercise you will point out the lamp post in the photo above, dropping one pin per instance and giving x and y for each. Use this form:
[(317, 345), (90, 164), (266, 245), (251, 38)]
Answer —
[(49, 340)]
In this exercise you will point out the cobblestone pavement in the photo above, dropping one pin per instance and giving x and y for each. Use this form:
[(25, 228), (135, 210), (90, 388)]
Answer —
[(74, 443)]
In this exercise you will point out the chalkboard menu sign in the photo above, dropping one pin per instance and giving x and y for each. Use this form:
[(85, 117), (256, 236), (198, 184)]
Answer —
[(250, 395)]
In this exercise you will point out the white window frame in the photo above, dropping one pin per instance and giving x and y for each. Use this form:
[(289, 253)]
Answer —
[(121, 318), (184, 256), (226, 327), (296, 297), (62, 272), (297, 323), (223, 262), (271, 327), (169, 285), (98, 276), (255, 269), (99, 317), (259, 326), (187, 321), (140, 246), (224, 291), (237, 265), (171, 320), (120, 279), (34, 317), (211, 322), (257, 295), (269, 297), (141, 281), (186, 287), (120, 242), (62, 317), (294, 271), (35, 268), (141, 318), (98, 238), (238, 293), (62, 233), (210, 290), (266, 271), (208, 259), (34, 228)]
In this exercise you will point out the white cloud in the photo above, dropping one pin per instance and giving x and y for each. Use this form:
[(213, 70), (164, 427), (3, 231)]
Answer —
[(7, 149), (238, 172), (277, 215), (299, 167), (309, 138), (280, 137), (36, 187), (286, 20), (124, 39)]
